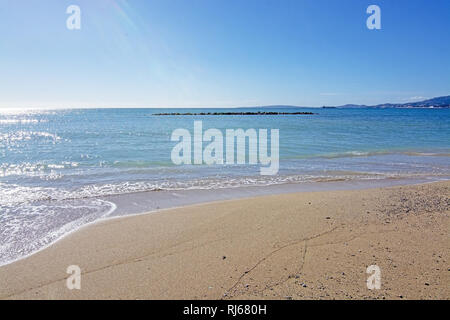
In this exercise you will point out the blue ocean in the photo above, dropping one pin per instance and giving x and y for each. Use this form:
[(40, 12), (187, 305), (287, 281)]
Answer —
[(62, 169)]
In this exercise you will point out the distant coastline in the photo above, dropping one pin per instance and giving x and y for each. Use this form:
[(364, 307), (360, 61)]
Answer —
[(437, 102)]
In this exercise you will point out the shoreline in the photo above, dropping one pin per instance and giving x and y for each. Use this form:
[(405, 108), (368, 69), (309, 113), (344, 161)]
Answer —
[(145, 201), (124, 208), (99, 241)]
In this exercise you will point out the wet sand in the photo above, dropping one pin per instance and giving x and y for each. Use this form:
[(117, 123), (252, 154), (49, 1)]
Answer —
[(309, 245)]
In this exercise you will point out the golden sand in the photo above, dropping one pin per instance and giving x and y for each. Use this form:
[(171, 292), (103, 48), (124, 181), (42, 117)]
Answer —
[(314, 245)]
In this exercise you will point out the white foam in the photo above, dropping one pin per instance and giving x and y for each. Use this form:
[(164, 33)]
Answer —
[(29, 228)]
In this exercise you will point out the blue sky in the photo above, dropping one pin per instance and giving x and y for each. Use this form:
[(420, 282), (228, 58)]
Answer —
[(216, 53)]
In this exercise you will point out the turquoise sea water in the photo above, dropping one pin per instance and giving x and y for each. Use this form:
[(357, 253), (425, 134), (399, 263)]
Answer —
[(57, 166)]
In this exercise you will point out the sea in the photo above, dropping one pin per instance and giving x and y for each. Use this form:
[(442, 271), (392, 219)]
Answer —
[(61, 170)]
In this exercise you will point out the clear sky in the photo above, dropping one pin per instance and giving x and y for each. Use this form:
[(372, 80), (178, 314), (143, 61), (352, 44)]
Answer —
[(213, 53)]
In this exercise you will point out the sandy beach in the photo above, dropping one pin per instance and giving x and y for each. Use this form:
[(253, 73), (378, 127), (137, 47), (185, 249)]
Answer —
[(311, 245)]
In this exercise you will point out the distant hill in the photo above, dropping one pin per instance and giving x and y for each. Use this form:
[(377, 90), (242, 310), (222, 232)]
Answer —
[(438, 102)]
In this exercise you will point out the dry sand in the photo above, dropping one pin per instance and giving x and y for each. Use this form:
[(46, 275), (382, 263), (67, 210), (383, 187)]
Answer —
[(294, 246)]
